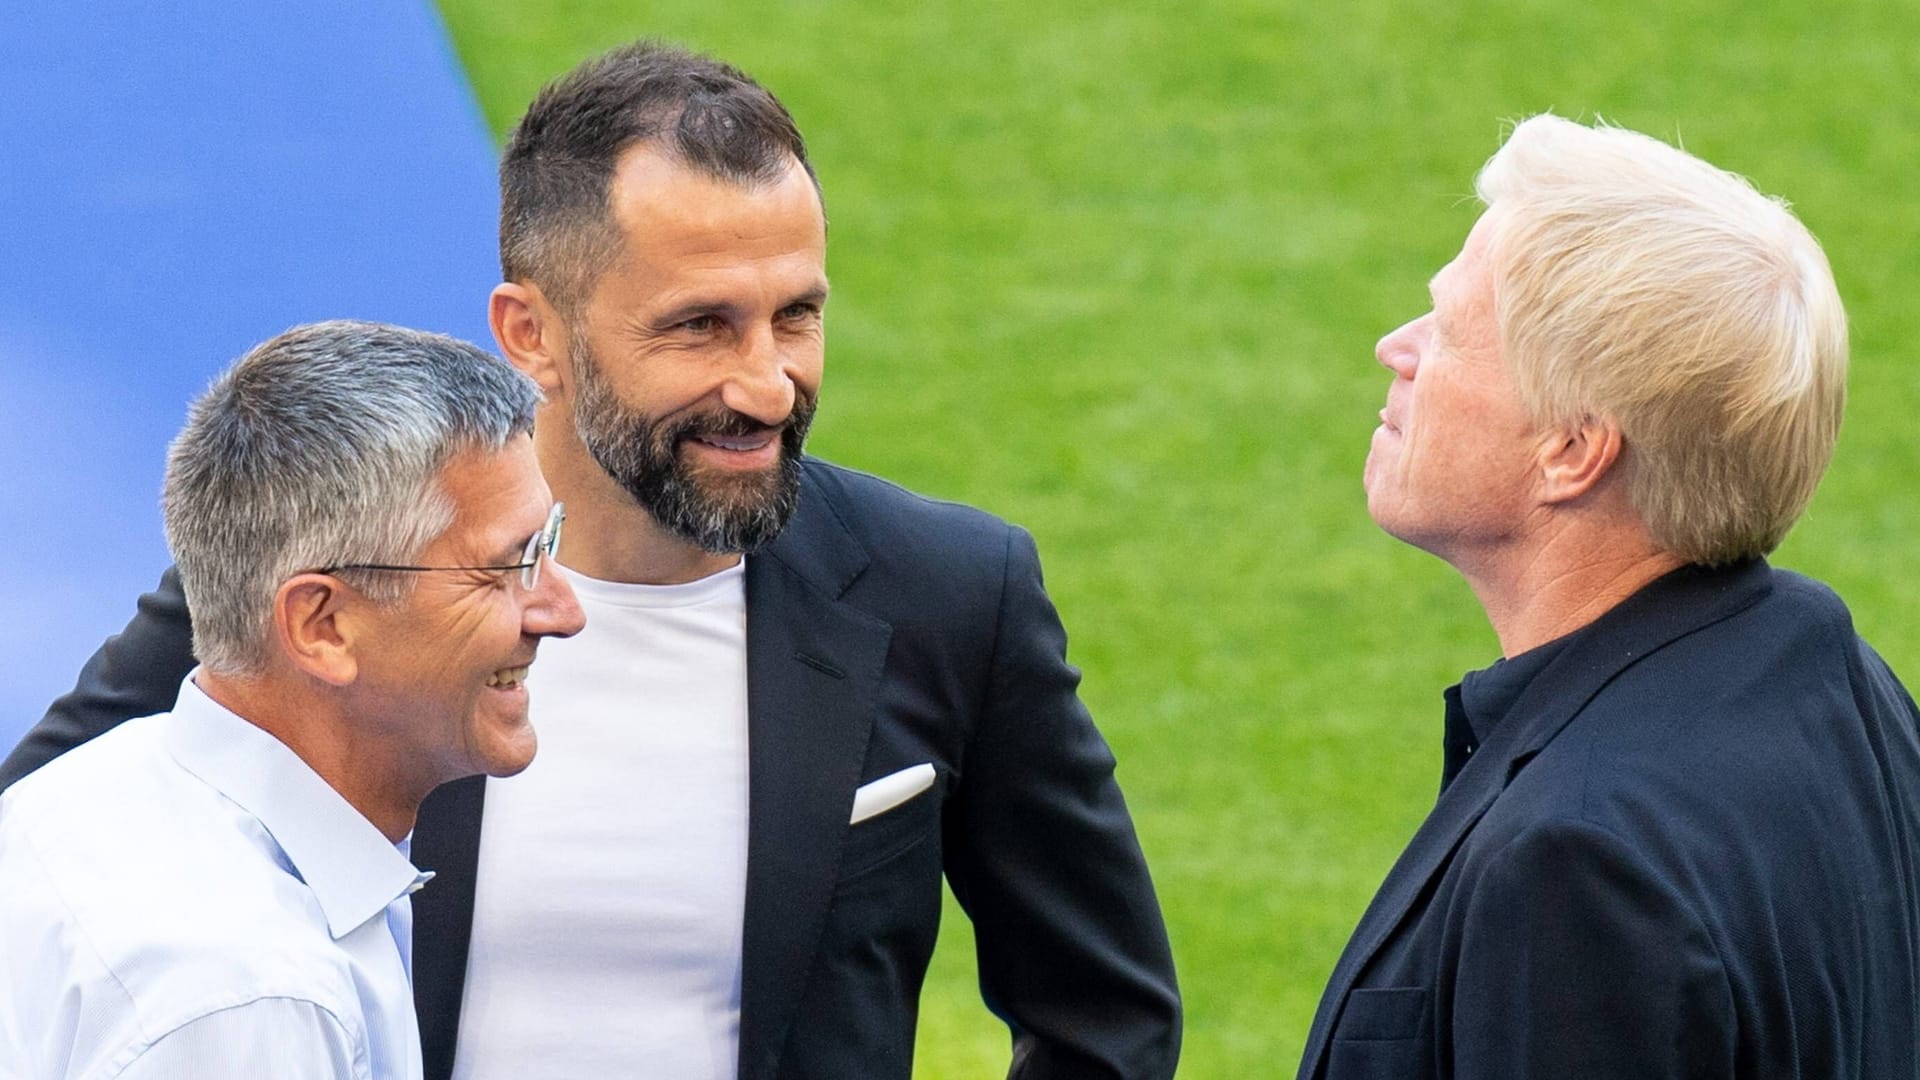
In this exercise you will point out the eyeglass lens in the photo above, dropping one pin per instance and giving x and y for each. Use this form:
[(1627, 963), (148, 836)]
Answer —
[(545, 542)]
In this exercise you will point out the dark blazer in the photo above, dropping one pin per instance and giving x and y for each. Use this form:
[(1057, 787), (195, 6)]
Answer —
[(1690, 849), (883, 630)]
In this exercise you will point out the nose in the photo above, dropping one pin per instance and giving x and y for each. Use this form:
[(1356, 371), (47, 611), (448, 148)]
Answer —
[(1399, 351), (761, 384), (552, 610)]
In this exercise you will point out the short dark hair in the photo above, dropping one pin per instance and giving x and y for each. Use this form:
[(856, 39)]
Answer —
[(556, 223)]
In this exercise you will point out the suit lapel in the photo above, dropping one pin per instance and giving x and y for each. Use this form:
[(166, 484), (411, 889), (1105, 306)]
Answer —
[(1461, 805), (446, 840), (1669, 608), (813, 671)]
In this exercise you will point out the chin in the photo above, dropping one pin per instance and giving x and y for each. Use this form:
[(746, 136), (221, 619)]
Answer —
[(513, 759), (1377, 509), (502, 769), (505, 750)]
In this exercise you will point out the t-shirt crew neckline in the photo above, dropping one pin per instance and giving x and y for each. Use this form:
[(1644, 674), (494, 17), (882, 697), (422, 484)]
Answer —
[(704, 590)]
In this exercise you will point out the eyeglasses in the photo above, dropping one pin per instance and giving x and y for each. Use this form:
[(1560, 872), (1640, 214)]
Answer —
[(545, 542)]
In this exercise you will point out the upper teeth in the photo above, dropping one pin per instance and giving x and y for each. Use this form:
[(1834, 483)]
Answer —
[(508, 676)]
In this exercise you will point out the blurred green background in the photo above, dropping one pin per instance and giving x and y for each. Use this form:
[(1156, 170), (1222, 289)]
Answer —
[(1115, 273)]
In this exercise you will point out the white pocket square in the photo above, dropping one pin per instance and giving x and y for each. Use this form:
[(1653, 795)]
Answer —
[(879, 796)]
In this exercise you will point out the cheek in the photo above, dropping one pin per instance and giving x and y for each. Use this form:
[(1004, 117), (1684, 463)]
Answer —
[(481, 634), (1496, 453), (806, 362)]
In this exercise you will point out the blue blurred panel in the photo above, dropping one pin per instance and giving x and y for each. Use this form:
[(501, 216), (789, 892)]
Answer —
[(179, 181)]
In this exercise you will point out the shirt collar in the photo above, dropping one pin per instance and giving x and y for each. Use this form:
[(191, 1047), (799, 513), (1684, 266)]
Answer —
[(351, 867), (1488, 695)]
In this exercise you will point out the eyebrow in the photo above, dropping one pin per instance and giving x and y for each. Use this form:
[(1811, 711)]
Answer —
[(816, 296), (498, 560), (689, 310), (509, 551), (1433, 298)]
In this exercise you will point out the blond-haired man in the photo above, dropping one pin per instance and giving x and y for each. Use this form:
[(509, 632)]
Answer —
[(1679, 825)]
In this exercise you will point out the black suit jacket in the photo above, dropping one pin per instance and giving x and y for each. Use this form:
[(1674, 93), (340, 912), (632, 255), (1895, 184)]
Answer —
[(1691, 849), (883, 630)]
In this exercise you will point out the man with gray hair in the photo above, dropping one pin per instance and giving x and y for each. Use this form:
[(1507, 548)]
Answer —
[(1679, 824), (224, 890), (809, 697)]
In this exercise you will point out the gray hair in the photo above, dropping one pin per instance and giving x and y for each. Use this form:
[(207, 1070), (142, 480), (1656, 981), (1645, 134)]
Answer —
[(319, 447), (1635, 281)]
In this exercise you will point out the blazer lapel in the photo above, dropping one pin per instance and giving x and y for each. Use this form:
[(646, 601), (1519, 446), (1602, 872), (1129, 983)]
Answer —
[(813, 670), (1669, 608), (1461, 805), (446, 840)]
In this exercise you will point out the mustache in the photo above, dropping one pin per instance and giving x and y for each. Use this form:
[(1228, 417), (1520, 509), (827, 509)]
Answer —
[(730, 423)]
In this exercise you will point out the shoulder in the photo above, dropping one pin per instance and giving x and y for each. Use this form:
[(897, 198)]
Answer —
[(1833, 642), (135, 897), (1706, 737), (943, 575), (936, 554), (880, 510), (83, 800), (1760, 663), (1800, 605), (1789, 670)]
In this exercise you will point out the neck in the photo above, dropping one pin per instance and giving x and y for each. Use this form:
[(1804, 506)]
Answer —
[(608, 535), (1553, 584), (355, 762)]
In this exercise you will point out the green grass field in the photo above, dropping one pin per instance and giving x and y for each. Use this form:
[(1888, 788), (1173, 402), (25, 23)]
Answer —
[(1116, 275)]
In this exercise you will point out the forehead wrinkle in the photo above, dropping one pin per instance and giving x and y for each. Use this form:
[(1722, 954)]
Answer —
[(487, 528), (482, 544)]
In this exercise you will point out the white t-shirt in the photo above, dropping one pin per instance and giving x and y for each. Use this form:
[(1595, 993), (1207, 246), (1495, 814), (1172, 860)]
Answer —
[(612, 876)]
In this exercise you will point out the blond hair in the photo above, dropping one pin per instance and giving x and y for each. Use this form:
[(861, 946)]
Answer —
[(1636, 282)]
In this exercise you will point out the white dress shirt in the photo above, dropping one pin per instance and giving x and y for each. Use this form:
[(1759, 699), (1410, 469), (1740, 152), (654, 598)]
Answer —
[(184, 897)]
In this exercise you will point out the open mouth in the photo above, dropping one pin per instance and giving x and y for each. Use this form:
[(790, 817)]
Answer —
[(738, 443), (509, 678)]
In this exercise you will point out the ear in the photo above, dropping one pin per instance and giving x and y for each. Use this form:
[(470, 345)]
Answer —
[(313, 619), (528, 331), (1575, 459)]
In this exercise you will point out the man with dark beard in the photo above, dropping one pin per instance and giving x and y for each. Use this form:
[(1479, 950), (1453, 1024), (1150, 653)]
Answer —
[(754, 771), (642, 454)]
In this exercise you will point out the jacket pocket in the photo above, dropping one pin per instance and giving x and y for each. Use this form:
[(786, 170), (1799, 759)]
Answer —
[(879, 839), (1383, 1033)]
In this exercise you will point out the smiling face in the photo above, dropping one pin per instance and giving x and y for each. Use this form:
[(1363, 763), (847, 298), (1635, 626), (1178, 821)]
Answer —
[(1452, 465), (697, 358), (443, 669)]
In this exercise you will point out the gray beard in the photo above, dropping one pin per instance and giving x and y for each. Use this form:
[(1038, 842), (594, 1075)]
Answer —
[(721, 515)]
